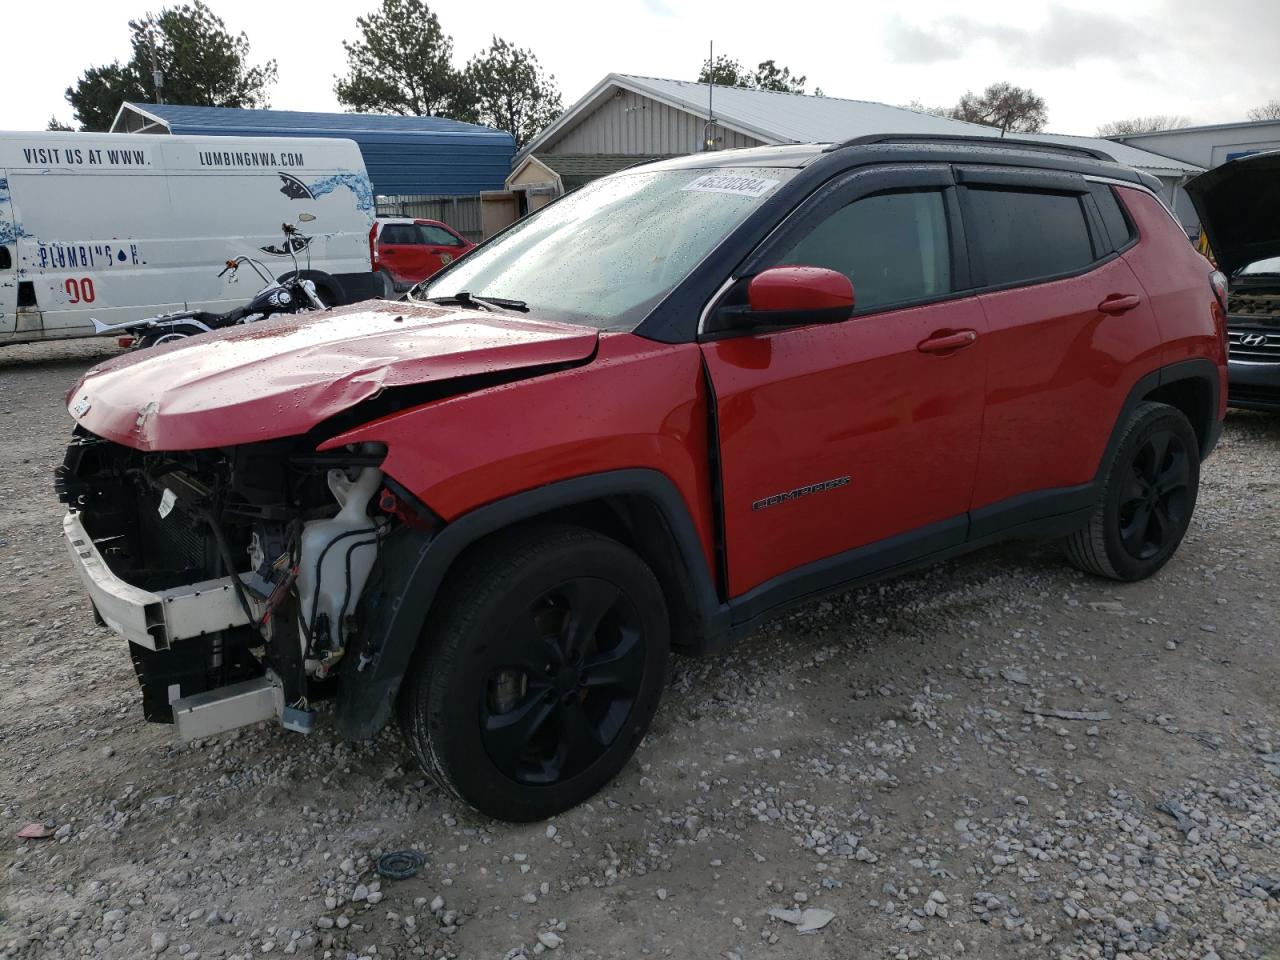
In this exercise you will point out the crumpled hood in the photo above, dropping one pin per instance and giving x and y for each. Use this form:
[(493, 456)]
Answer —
[(281, 377), (1239, 208)]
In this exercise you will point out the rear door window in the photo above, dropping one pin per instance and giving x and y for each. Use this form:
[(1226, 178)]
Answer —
[(1024, 235), (438, 236), (399, 233), (893, 247)]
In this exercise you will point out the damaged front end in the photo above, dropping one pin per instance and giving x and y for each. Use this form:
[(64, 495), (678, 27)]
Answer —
[(236, 574)]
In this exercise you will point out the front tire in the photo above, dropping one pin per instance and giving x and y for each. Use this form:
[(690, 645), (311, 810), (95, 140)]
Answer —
[(536, 680), (1147, 499)]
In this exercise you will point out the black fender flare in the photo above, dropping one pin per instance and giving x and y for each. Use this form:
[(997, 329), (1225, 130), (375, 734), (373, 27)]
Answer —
[(1199, 369), (415, 563)]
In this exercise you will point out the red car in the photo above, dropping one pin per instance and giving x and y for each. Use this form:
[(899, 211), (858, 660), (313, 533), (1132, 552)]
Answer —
[(408, 251), (650, 415)]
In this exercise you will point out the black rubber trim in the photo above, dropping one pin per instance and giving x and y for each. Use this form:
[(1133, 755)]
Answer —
[(1031, 508), (1054, 181), (844, 570)]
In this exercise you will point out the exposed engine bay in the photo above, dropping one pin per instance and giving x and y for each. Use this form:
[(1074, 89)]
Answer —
[(1248, 304), (291, 536)]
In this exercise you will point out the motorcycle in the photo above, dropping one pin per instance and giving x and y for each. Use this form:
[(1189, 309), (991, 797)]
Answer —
[(290, 294)]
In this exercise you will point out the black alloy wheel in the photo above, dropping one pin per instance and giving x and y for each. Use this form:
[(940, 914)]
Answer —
[(572, 666), (540, 671), (1146, 497), (1156, 502)]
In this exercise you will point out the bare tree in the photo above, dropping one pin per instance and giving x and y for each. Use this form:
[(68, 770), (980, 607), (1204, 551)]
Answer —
[(1013, 109), (1268, 111), (1125, 128), (917, 107)]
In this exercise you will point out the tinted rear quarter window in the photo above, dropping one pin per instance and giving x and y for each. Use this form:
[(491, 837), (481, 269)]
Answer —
[(1023, 235), (1119, 229)]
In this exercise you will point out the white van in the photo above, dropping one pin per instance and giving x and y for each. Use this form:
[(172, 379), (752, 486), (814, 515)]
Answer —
[(125, 226)]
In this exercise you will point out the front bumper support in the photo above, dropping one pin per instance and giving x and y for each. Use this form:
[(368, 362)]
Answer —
[(153, 619)]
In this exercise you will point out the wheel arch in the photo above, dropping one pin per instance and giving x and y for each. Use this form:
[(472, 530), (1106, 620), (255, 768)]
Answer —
[(639, 507), (1191, 386)]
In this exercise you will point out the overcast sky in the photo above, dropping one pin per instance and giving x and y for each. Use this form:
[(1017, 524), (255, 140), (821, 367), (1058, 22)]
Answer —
[(1091, 61)]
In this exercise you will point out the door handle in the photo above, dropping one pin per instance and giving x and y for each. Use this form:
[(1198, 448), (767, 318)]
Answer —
[(1119, 303), (947, 342)]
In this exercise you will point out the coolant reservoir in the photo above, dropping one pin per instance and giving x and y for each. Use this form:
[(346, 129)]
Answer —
[(329, 548)]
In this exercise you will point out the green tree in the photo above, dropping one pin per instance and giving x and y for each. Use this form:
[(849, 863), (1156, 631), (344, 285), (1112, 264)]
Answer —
[(97, 95), (1013, 109), (508, 89), (201, 62), (725, 71), (769, 76), (56, 124), (403, 63)]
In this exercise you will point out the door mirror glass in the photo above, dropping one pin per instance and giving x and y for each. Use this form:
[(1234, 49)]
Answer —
[(797, 295)]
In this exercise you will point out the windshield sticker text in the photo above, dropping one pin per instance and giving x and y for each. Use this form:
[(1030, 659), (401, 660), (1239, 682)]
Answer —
[(732, 183)]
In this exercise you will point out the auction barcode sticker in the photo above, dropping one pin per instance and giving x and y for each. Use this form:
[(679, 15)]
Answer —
[(732, 183)]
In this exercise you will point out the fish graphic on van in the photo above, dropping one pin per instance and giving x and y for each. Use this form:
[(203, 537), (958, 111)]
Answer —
[(295, 189), (298, 244)]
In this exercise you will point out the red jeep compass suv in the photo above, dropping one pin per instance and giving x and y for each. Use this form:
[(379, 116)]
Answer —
[(653, 413)]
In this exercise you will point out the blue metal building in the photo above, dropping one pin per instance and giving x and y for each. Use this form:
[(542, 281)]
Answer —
[(403, 155)]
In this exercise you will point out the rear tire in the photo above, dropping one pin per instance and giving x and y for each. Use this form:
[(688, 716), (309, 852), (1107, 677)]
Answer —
[(539, 674), (1147, 500), (168, 336)]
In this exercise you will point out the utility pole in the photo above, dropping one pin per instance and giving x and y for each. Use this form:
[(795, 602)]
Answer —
[(157, 75), (709, 128)]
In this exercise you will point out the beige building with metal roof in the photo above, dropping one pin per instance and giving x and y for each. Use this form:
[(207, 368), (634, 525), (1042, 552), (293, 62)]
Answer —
[(625, 119)]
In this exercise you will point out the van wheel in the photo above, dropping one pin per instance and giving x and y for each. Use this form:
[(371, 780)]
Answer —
[(1147, 499), (536, 680)]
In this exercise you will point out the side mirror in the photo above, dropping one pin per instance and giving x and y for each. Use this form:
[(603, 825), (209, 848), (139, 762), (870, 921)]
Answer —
[(791, 296)]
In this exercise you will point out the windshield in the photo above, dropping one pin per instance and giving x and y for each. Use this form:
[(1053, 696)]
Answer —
[(1267, 268), (604, 255)]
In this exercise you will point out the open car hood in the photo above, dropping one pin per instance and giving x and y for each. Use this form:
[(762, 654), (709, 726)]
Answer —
[(1239, 208), (281, 377)]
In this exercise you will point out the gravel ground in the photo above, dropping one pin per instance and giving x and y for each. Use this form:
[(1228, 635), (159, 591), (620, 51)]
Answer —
[(890, 756)]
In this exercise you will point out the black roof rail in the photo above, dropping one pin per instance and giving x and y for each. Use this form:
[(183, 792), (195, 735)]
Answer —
[(992, 141)]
